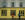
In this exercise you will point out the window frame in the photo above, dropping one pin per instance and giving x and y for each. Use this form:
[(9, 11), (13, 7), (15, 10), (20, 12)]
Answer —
[(11, 12), (5, 13), (22, 12)]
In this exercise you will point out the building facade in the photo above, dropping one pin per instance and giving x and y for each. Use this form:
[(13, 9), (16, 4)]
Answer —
[(9, 8)]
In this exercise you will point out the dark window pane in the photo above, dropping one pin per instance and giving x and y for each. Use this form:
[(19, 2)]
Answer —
[(12, 4), (2, 13), (20, 4), (23, 12), (13, 12)]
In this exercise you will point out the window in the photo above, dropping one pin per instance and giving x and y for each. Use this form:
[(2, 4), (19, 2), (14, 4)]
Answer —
[(4, 3), (4, 13), (12, 4), (20, 4), (13, 12), (21, 12)]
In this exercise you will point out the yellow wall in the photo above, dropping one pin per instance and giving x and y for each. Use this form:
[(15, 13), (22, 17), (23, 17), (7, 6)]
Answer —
[(8, 12)]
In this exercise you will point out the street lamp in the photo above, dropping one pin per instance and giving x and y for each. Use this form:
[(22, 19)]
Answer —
[(19, 14)]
